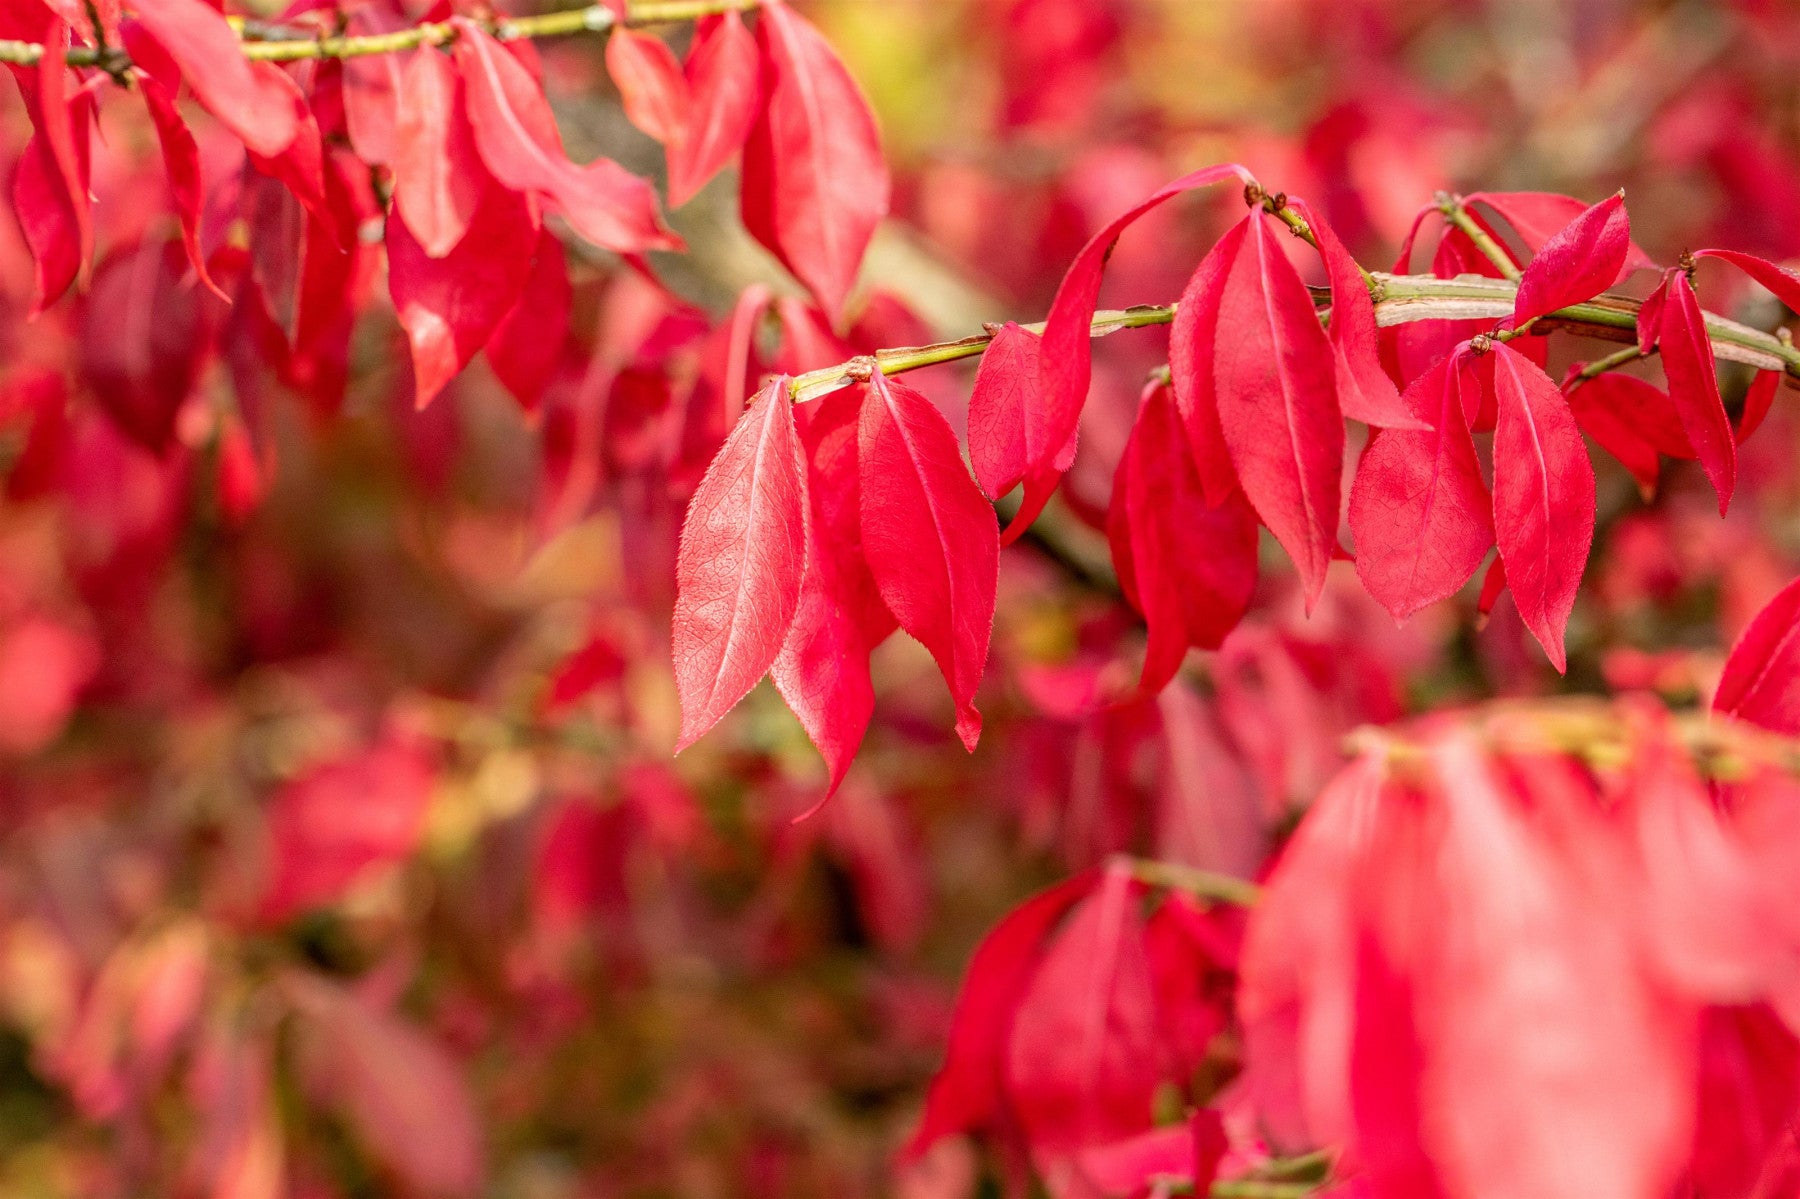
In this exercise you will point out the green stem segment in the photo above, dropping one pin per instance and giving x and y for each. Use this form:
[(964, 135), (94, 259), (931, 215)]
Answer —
[(1204, 884), (1399, 299), (1459, 217), (277, 43)]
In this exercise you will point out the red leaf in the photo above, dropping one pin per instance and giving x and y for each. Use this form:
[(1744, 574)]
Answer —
[(1543, 497), (823, 669), (254, 107), (1419, 510), (181, 162), (1193, 564), (336, 822), (406, 1097), (1537, 217), (49, 217), (374, 85), (144, 337), (1582, 260), (1365, 392), (929, 537), (724, 77), (1086, 1052), (1278, 404), (300, 165), (1650, 315), (451, 306), (1778, 279), (652, 89), (439, 178), (1757, 401), (527, 346), (63, 127), (518, 139), (1000, 428), (1614, 431), (1066, 353), (1645, 407), (1761, 681), (815, 184), (741, 563), (1694, 386), (1191, 342), (966, 1094)]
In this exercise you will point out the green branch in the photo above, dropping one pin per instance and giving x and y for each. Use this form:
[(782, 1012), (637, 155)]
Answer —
[(1399, 300), (280, 43), (1458, 216)]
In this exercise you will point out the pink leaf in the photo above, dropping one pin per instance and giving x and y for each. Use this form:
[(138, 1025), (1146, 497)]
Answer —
[(1537, 217), (652, 89), (1365, 392), (1000, 431), (518, 139), (815, 184), (1758, 399), (1191, 342), (527, 346), (1694, 386), (966, 1094), (338, 821), (181, 162), (451, 306), (1419, 510), (374, 85), (929, 537), (1778, 279), (741, 563), (1278, 404), (1761, 681), (1543, 497), (255, 108), (1582, 260), (439, 178), (1193, 564), (1066, 353), (724, 77), (1086, 1052)]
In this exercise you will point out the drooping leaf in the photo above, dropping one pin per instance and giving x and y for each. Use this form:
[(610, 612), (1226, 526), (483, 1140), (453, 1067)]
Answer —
[(1365, 392), (439, 179), (518, 139), (1193, 564), (1419, 509), (966, 1094), (1538, 216), (1191, 365), (181, 163), (374, 85), (741, 563), (1694, 386), (724, 78), (929, 537), (815, 183), (1543, 497), (450, 306), (1614, 432), (1758, 399), (62, 127), (1579, 262), (194, 34), (1004, 395), (1784, 283), (652, 89), (1278, 403), (1066, 355), (527, 345), (300, 165), (1086, 1051), (1761, 681)]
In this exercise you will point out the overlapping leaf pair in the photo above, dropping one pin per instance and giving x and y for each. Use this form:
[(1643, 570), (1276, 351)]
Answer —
[(806, 544)]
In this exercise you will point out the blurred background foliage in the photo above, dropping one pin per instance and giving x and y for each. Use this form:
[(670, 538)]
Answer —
[(341, 848)]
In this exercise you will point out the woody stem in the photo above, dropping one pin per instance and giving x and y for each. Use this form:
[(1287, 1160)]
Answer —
[(280, 43)]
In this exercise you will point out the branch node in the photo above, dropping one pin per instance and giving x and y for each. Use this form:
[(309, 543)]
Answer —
[(861, 369), (1481, 343), (1253, 194)]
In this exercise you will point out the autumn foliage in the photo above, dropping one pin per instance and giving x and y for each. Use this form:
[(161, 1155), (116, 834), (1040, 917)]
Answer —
[(1270, 531)]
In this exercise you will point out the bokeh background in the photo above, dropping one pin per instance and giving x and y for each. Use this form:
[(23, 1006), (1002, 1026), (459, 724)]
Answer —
[(342, 851)]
